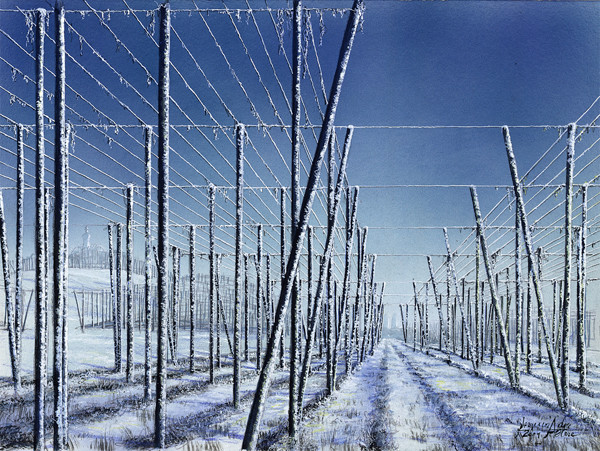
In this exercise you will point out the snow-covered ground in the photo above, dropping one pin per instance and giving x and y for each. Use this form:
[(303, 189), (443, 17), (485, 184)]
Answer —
[(397, 399)]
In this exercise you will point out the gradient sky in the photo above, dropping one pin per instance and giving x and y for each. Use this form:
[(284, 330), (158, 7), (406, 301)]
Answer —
[(414, 63)]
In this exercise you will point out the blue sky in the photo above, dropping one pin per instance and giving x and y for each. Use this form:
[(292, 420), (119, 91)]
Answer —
[(414, 63)]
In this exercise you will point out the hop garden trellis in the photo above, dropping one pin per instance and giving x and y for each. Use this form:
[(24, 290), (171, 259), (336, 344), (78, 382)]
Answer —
[(208, 221)]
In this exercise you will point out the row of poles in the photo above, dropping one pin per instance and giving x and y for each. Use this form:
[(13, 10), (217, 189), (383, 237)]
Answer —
[(366, 311), (555, 336)]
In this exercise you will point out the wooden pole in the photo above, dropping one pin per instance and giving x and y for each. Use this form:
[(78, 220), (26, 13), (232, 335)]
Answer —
[(240, 135), (61, 199), (581, 293), (212, 280), (259, 296), (192, 297), (148, 262), (160, 415), (518, 299), (293, 407), (40, 245), (438, 301), (19, 250), (251, 434), (495, 303), (566, 312), (129, 364), (530, 256), (459, 297)]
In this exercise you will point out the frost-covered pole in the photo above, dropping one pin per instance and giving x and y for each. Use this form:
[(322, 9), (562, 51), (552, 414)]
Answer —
[(415, 317), (211, 296), (259, 296), (530, 256), (493, 286), (246, 311), (19, 253), (119, 293), (461, 305), (192, 296), (539, 252), (251, 434), (566, 312), (269, 292), (582, 361), (40, 244), (438, 301), (160, 415), (554, 302), (8, 295), (65, 313), (346, 289), (529, 347), (176, 301), (478, 303), (309, 271), (60, 221), (218, 310), (426, 314), (316, 311), (362, 272), (295, 211), (111, 270), (129, 365), (282, 262), (518, 297), (330, 299), (240, 135), (368, 309), (508, 302), (147, 261)]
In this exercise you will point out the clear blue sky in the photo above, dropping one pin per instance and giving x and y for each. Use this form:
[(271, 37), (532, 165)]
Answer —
[(414, 63)]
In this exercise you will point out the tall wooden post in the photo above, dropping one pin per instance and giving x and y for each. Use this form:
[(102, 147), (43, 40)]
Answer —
[(147, 262), (192, 297), (282, 259), (211, 296), (129, 365), (246, 311), (240, 136), (251, 433), (529, 247), (566, 312), (40, 244), (259, 296), (160, 415), (461, 298), (19, 252), (293, 407), (495, 302), (478, 303), (518, 298), (581, 293), (438, 302), (61, 200)]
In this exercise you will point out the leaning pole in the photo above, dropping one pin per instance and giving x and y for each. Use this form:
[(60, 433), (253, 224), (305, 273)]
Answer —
[(251, 434)]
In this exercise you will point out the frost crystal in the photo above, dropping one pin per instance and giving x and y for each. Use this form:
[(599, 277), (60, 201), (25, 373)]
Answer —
[(30, 23), (321, 27), (307, 28), (152, 24), (279, 27)]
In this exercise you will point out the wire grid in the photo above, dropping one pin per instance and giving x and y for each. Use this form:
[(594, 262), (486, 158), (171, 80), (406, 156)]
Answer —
[(241, 72)]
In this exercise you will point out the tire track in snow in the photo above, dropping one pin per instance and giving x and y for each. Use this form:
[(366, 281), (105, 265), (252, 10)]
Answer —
[(458, 432)]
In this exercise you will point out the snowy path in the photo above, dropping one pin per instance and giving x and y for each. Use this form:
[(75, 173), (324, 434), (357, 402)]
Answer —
[(483, 415), (380, 406)]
